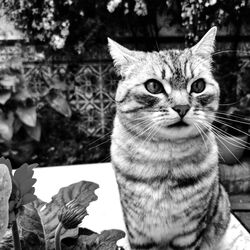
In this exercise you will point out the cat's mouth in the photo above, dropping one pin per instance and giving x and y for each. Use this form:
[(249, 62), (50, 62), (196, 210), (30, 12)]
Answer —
[(178, 124)]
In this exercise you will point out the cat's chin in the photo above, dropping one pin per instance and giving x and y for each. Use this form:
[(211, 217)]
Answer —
[(178, 131)]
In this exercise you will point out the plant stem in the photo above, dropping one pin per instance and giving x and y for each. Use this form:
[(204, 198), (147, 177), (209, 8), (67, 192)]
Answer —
[(15, 235), (58, 236)]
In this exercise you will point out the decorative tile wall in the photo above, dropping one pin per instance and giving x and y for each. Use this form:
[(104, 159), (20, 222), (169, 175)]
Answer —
[(89, 84)]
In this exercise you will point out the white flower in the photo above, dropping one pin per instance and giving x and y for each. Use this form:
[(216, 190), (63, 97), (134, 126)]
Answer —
[(112, 5), (46, 25), (212, 2), (65, 23), (57, 42), (140, 8), (68, 2)]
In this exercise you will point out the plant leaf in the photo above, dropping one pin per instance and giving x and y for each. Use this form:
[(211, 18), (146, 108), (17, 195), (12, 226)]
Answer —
[(34, 132), (6, 125), (7, 242), (24, 181), (22, 94), (17, 125), (82, 192), (27, 115), (5, 192), (9, 81), (38, 220), (7, 163), (4, 97), (105, 241), (58, 102), (29, 219)]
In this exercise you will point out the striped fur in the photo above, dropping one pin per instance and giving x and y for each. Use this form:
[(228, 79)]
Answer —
[(167, 174)]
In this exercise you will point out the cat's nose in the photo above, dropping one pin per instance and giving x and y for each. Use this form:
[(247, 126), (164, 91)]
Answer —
[(181, 109)]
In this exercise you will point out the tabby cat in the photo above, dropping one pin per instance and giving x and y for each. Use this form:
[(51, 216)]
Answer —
[(163, 149)]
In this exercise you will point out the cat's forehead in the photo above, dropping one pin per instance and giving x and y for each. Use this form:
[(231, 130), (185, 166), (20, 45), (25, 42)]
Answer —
[(174, 66)]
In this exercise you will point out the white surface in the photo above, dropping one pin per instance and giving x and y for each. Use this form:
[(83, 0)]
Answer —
[(106, 213)]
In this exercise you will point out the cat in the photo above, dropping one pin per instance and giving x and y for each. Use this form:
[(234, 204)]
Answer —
[(163, 149)]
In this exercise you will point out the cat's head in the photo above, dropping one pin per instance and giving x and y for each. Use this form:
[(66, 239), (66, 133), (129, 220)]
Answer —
[(167, 94)]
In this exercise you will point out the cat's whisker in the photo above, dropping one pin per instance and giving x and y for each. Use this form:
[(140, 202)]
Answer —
[(207, 126), (232, 115), (109, 139), (242, 121), (99, 144), (219, 138), (201, 133), (237, 141), (149, 130), (232, 120), (223, 143), (229, 104), (231, 141), (100, 138), (234, 128), (230, 51), (226, 134), (142, 122)]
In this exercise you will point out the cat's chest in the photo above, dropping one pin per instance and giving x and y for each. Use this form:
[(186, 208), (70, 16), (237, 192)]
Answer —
[(157, 213)]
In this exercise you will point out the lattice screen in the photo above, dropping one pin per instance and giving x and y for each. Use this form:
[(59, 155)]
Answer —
[(91, 84)]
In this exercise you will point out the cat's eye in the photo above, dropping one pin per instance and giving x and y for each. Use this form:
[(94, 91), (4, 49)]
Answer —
[(153, 86), (198, 86)]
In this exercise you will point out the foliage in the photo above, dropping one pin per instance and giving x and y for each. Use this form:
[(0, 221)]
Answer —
[(196, 16), (68, 144), (5, 192), (54, 22), (38, 220), (22, 192), (22, 187), (18, 106)]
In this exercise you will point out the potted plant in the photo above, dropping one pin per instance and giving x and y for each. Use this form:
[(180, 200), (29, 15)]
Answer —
[(35, 224)]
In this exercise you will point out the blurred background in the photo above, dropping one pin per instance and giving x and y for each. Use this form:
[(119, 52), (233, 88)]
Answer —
[(57, 81)]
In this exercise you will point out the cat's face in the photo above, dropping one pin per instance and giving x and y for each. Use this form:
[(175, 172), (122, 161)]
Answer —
[(168, 94)]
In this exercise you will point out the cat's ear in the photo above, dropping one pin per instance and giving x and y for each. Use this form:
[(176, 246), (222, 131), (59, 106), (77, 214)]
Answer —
[(121, 55), (205, 47)]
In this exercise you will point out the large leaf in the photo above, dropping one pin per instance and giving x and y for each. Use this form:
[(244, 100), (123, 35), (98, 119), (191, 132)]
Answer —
[(5, 191), (27, 115), (58, 83), (22, 94), (44, 216), (105, 241), (17, 125), (4, 96), (6, 125), (30, 224), (34, 132), (24, 180), (58, 102), (8, 81)]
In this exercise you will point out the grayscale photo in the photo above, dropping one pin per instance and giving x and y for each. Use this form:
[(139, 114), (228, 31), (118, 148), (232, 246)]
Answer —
[(124, 125)]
